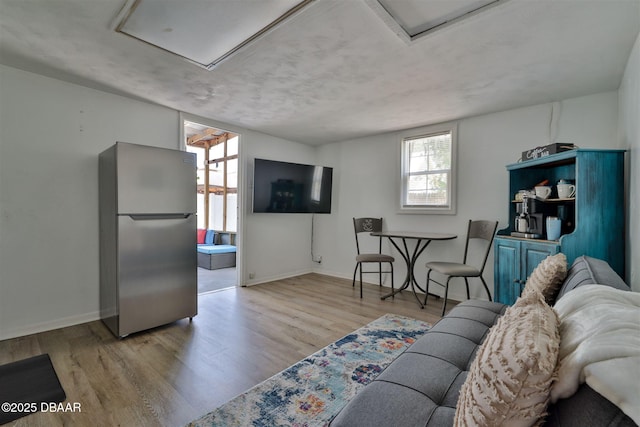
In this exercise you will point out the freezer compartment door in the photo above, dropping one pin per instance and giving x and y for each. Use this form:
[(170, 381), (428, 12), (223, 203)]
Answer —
[(157, 268), (155, 180)]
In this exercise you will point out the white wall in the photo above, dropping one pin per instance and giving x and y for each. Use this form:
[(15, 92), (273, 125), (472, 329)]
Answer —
[(630, 139), (367, 170), (51, 133), (276, 245)]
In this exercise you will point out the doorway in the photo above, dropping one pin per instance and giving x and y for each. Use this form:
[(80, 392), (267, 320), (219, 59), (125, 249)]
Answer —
[(217, 157)]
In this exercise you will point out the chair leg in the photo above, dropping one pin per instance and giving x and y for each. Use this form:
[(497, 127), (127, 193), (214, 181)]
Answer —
[(486, 288), (360, 282), (466, 282), (391, 264), (380, 273), (426, 292), (353, 283), (446, 292)]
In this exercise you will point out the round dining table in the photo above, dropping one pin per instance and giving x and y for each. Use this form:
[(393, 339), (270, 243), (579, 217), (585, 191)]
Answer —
[(399, 240)]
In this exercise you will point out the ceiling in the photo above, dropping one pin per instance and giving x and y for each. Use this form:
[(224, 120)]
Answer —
[(336, 71)]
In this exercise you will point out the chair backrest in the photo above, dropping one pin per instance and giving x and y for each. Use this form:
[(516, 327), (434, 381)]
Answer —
[(484, 230), (367, 225)]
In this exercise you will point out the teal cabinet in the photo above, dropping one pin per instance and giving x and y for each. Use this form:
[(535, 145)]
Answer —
[(593, 221), (514, 261)]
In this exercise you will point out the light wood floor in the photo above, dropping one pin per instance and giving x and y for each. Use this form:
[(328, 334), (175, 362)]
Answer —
[(214, 280), (173, 374)]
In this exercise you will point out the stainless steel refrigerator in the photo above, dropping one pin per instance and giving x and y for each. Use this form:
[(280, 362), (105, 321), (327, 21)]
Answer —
[(148, 261)]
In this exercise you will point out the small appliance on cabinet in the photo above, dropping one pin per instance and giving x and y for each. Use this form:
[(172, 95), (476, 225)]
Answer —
[(148, 261)]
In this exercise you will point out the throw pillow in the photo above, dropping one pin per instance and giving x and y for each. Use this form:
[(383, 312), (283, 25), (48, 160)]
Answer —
[(509, 381), (200, 235), (547, 277)]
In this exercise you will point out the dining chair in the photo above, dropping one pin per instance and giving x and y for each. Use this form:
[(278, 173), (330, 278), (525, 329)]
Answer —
[(368, 226), (483, 231)]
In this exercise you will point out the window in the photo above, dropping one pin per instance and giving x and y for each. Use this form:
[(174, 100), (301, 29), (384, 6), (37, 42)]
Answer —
[(217, 175), (428, 170)]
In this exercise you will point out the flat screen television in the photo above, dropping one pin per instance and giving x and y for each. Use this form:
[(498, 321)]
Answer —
[(281, 187)]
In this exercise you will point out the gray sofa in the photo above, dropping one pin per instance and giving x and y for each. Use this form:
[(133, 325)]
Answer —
[(421, 387), (218, 253)]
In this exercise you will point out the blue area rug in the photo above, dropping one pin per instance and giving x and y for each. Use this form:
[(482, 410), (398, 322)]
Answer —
[(312, 392)]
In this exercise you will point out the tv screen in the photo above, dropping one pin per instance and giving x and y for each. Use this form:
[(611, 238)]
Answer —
[(282, 187)]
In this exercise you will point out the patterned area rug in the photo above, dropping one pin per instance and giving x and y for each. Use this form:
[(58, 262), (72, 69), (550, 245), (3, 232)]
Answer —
[(312, 392)]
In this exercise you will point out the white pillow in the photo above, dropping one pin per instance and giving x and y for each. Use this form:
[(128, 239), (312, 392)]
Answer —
[(547, 277), (509, 381)]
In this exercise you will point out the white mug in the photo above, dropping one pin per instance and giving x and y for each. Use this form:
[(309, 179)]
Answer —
[(566, 191), (543, 191)]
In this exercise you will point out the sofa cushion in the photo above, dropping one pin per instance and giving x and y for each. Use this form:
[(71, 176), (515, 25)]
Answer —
[(509, 380), (589, 271), (547, 277), (420, 388), (216, 249), (209, 236)]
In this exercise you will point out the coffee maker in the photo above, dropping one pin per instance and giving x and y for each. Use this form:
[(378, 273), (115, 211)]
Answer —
[(531, 218)]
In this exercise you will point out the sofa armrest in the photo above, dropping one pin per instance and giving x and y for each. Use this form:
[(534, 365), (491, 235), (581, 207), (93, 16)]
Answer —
[(586, 408), (589, 271)]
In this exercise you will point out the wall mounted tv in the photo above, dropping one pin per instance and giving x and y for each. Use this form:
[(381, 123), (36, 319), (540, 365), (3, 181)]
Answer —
[(281, 187)]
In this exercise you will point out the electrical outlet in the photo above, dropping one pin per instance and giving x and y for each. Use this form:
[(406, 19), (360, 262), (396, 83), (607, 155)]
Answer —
[(252, 275)]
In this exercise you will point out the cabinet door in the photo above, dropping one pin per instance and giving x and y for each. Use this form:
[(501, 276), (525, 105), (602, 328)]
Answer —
[(515, 260), (532, 253), (506, 270)]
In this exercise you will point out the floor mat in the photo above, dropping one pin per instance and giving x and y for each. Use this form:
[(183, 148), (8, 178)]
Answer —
[(26, 385)]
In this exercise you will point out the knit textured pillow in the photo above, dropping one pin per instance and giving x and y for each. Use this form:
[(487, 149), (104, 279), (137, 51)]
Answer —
[(547, 277), (509, 381)]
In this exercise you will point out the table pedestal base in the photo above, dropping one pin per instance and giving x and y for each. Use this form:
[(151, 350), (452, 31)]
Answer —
[(410, 259)]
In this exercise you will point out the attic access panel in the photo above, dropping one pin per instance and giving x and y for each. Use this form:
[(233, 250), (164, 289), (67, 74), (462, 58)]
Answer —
[(413, 19), (203, 32)]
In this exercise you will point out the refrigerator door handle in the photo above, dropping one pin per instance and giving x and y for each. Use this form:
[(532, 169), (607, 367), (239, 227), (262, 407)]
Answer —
[(146, 217)]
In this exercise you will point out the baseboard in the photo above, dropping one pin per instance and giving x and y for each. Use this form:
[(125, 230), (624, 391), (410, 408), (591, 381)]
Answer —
[(333, 274), (274, 277), (454, 294), (49, 325)]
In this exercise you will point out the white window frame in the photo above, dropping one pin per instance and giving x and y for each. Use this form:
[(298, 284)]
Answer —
[(450, 208)]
